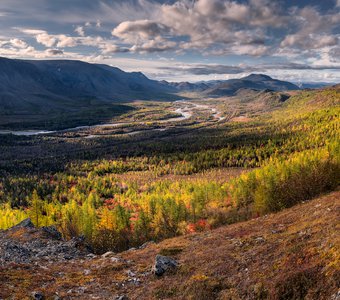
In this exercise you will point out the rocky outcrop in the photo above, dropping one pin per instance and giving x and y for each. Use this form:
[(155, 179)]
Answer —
[(25, 243), (164, 264)]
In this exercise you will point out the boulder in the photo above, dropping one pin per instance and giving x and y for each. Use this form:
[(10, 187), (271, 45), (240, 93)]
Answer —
[(124, 297), (146, 244), (38, 296), (27, 223), (164, 264), (52, 232), (108, 254)]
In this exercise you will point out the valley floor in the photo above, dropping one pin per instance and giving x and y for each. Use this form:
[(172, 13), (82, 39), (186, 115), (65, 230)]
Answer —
[(293, 254)]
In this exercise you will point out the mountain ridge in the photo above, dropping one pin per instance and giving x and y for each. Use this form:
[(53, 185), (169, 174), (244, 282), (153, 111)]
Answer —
[(252, 81), (50, 91), (32, 79)]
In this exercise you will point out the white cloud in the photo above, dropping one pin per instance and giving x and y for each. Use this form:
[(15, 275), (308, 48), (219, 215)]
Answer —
[(157, 45), (313, 30), (66, 41), (17, 43), (80, 30), (46, 39), (30, 31), (108, 48), (202, 24), (140, 30), (51, 40), (256, 28)]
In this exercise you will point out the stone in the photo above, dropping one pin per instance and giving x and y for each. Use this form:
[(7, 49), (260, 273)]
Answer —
[(87, 272), (108, 254), (37, 243), (52, 232), (115, 259), (27, 223), (146, 244), (163, 264), (123, 297), (38, 295), (131, 274)]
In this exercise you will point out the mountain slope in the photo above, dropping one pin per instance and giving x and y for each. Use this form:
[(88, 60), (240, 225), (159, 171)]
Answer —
[(34, 93), (289, 255), (189, 86), (253, 81), (48, 84)]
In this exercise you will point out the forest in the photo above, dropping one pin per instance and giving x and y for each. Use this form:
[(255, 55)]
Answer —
[(120, 191)]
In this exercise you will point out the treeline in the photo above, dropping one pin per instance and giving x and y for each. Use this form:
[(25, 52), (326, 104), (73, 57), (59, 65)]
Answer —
[(114, 216), (297, 127), (242, 149)]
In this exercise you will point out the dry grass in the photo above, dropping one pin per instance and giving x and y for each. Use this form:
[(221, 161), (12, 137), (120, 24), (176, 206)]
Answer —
[(216, 174), (290, 255)]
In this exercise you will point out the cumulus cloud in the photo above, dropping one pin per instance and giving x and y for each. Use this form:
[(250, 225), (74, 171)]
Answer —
[(66, 41), (250, 29), (51, 40), (46, 39), (310, 41), (15, 48), (108, 48), (203, 24), (80, 30), (231, 27), (141, 30), (145, 36), (314, 29), (154, 46), (61, 41), (17, 43)]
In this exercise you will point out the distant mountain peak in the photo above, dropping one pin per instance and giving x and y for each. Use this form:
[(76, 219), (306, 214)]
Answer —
[(259, 82)]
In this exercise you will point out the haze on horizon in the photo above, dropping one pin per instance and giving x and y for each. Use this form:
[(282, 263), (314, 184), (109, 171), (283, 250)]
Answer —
[(296, 40)]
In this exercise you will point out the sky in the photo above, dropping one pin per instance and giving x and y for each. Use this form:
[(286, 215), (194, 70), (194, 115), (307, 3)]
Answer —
[(181, 40)]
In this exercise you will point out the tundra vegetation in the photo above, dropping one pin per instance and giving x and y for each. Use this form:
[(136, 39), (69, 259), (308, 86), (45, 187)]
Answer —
[(122, 190)]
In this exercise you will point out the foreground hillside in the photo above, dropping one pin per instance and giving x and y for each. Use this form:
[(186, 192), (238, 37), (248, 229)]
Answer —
[(293, 254)]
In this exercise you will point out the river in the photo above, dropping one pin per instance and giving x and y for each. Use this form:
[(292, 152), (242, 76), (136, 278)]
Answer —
[(186, 112)]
